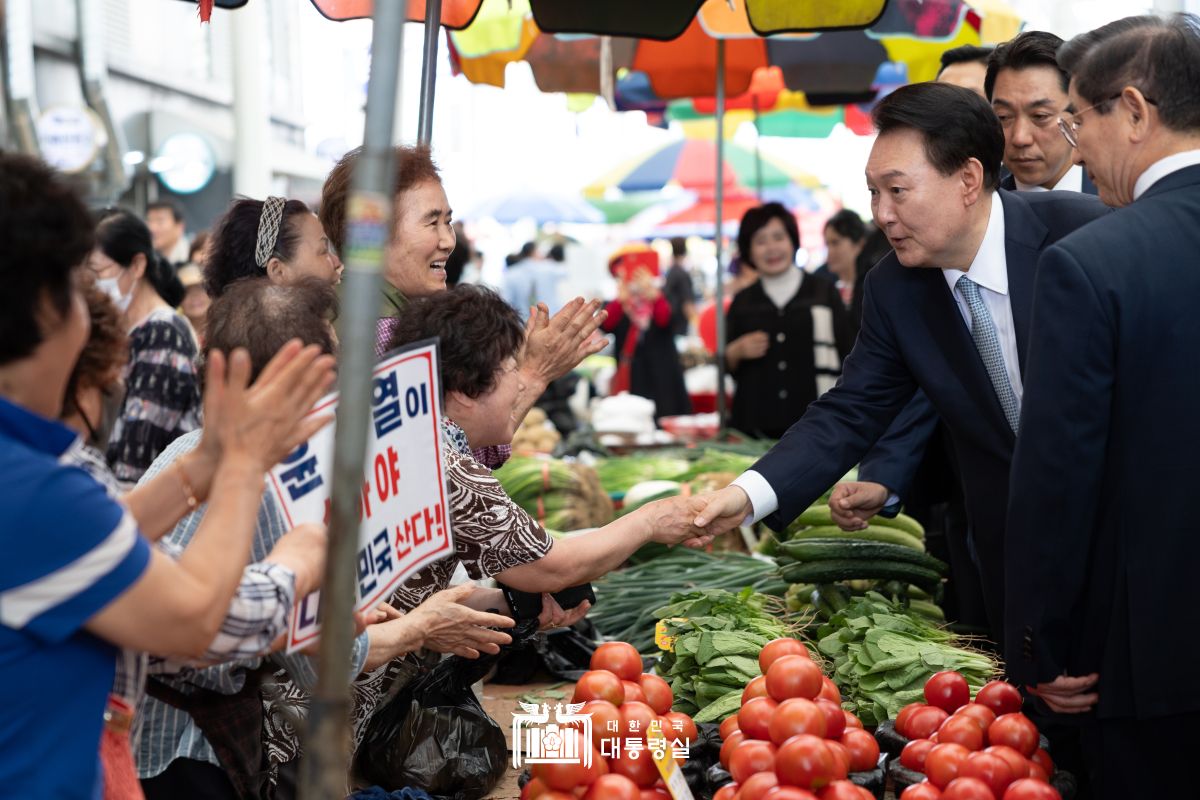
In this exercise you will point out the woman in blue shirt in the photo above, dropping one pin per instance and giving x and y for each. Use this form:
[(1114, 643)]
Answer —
[(77, 578)]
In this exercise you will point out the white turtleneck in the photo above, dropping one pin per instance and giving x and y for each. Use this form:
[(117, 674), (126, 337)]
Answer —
[(782, 288)]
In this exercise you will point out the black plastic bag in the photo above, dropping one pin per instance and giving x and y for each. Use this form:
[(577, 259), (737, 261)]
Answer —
[(434, 734)]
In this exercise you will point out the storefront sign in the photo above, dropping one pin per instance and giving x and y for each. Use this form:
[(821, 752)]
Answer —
[(405, 519), (69, 138)]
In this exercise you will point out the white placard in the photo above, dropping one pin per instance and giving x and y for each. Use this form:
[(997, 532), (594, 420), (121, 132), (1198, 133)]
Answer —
[(405, 518), (69, 138)]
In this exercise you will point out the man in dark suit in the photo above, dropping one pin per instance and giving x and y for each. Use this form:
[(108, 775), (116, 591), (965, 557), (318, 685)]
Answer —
[(1102, 535), (1028, 92), (932, 175)]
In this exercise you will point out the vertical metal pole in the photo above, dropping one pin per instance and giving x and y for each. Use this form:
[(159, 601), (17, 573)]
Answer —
[(324, 768), (720, 198), (433, 26), (251, 102)]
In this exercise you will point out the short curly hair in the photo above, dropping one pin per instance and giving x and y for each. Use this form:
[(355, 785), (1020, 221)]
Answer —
[(413, 165), (477, 329), (107, 346), (231, 250), (47, 234)]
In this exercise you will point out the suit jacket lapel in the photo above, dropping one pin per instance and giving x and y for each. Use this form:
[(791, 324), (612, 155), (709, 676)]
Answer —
[(1024, 234)]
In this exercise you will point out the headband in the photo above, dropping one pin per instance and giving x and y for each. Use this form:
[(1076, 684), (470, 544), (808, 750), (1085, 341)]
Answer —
[(268, 229)]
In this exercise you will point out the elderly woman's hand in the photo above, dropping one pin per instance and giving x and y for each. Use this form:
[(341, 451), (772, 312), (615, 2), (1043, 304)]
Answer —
[(671, 518), (555, 345), (553, 616), (449, 626)]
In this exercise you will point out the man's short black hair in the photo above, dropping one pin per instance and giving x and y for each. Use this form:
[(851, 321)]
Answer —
[(1160, 56), (1029, 49), (848, 225), (47, 234), (956, 125), (166, 205), (963, 55)]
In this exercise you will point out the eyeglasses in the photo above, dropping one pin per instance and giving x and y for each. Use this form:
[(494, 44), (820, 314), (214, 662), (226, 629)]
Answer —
[(1070, 129)]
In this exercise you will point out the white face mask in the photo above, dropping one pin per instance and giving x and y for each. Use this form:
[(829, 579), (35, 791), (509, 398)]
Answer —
[(112, 288)]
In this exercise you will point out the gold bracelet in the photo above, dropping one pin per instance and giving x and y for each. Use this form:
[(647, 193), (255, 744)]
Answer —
[(189, 494)]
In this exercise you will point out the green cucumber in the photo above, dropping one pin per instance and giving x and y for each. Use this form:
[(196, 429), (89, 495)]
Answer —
[(824, 549), (848, 569), (872, 533), (813, 516)]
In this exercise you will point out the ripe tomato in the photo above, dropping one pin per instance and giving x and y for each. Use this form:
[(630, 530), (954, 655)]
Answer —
[(835, 718), (568, 776), (534, 789), (852, 721), (981, 714), (841, 759), (914, 753), (924, 722), (633, 691), (1042, 758), (1016, 731), (864, 750), (613, 786), (727, 792), (942, 763), (829, 691), (603, 712), (1037, 773), (1001, 697), (991, 769), (1017, 763), (921, 791), (755, 717), (657, 693), (599, 684), (793, 676), (961, 730), (948, 691), (758, 785), (1030, 789), (728, 726), (751, 756), (657, 793), (778, 648), (804, 761), (636, 717), (967, 789), (619, 658), (787, 793), (796, 716), (641, 770), (844, 790), (757, 687), (680, 727), (555, 794), (729, 745), (904, 716)]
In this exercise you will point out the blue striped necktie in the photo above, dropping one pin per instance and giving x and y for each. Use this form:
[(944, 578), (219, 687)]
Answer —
[(987, 342)]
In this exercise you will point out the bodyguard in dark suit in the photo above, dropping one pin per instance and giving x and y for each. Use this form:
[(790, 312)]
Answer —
[(1028, 92), (932, 174), (1103, 542)]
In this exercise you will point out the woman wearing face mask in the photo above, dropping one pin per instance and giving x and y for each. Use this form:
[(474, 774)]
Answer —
[(162, 394), (277, 238), (787, 334)]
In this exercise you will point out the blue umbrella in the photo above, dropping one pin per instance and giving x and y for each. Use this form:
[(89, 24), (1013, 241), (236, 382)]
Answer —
[(539, 206)]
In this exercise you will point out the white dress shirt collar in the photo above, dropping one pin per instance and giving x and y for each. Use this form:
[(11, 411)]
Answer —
[(1162, 168), (990, 268), (1071, 181)]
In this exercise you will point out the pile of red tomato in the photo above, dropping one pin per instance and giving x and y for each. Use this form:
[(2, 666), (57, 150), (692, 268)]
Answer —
[(791, 740), (624, 705), (981, 750)]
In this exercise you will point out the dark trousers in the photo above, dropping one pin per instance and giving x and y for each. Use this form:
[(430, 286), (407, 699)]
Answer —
[(188, 779), (1131, 758)]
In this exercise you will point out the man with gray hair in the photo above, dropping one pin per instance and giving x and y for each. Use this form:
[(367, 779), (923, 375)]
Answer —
[(1101, 510)]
